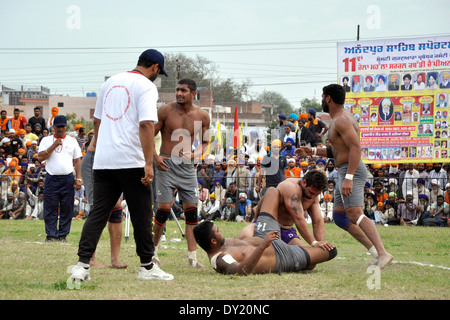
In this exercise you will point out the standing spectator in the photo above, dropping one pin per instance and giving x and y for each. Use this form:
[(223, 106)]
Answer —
[(16, 142), (280, 130), (37, 119), (317, 127), (257, 150), (62, 155), (330, 170), (243, 177), (289, 134), (410, 180), (55, 113), (326, 208), (289, 147), (273, 167), (32, 150), (5, 122), (218, 174), (230, 176), (439, 174), (18, 121), (81, 138), (131, 173), (447, 193), (435, 190), (304, 135)]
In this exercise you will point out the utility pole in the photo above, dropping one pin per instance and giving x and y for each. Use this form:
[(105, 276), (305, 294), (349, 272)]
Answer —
[(177, 73), (357, 33)]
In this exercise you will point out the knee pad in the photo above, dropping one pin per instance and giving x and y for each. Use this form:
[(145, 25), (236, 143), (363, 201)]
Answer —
[(116, 215), (332, 253), (161, 216), (191, 216), (341, 220)]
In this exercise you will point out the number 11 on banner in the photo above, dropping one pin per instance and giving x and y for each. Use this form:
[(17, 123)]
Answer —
[(348, 61)]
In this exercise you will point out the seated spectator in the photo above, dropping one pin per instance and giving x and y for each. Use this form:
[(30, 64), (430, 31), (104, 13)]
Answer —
[(389, 216), (203, 196), (440, 208), (211, 210), (377, 213), (229, 212), (35, 211), (435, 190), (245, 208), (407, 210), (219, 190), (289, 148), (447, 193), (217, 174)]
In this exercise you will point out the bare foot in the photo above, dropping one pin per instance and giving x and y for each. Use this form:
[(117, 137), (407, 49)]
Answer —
[(118, 265), (383, 260), (96, 264)]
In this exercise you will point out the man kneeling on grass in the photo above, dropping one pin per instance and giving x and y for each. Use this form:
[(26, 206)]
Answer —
[(263, 253)]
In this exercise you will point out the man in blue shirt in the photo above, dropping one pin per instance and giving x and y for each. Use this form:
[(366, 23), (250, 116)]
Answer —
[(245, 207)]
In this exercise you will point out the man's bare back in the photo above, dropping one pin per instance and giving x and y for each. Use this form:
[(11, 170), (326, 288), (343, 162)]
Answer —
[(340, 123)]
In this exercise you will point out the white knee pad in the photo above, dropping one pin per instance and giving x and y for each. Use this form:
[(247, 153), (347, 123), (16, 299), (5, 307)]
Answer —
[(359, 219)]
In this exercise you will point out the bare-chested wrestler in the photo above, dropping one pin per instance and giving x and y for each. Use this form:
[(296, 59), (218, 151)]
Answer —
[(297, 197), (263, 253), (179, 122), (352, 175)]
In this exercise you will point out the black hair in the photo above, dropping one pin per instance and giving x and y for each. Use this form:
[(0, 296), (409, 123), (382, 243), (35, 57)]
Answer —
[(336, 92), (407, 76), (316, 179), (203, 234), (190, 83), (145, 63)]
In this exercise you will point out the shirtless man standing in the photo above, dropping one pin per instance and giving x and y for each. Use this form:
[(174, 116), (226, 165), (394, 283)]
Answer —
[(179, 122), (296, 197), (352, 174), (263, 253)]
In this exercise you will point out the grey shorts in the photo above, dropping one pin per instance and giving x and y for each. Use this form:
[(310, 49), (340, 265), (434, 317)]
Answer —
[(181, 176), (356, 199), (87, 174), (289, 258)]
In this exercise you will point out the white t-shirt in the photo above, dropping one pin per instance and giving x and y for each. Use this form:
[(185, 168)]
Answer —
[(61, 159), (125, 100)]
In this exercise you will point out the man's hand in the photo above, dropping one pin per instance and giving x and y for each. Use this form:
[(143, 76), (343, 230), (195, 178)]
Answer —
[(303, 151), (271, 236), (159, 162), (347, 187), (325, 245), (148, 178)]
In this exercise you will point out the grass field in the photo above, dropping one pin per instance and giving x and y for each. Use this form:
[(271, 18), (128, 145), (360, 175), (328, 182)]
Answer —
[(31, 269)]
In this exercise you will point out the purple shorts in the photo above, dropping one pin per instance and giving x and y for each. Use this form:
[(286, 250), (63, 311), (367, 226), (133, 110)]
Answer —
[(288, 235)]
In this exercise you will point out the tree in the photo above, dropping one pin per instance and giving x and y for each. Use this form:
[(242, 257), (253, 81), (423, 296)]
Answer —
[(310, 104), (204, 73), (281, 104)]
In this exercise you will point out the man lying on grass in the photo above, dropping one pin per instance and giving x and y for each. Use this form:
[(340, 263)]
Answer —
[(263, 253)]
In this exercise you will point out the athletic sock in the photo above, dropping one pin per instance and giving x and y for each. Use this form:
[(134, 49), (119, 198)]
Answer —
[(147, 266), (84, 265)]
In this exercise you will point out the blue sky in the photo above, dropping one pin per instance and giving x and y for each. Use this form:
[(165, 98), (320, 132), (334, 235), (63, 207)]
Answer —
[(284, 46)]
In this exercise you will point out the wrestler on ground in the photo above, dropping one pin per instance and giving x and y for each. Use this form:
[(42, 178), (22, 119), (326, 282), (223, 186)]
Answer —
[(352, 174), (264, 253), (297, 197), (179, 122)]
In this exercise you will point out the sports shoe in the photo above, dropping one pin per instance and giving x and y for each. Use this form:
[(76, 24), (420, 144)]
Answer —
[(155, 273), (80, 273)]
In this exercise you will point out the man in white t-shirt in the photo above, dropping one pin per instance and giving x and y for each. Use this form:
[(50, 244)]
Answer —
[(62, 154), (124, 119)]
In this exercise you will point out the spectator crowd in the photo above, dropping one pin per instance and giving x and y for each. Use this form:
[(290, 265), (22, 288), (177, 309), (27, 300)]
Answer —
[(230, 186)]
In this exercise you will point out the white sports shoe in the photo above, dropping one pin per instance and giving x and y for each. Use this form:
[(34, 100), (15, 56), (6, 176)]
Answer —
[(80, 273), (155, 273)]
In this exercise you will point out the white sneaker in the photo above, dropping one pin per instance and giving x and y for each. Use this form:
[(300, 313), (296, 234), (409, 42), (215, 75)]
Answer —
[(154, 273), (80, 273)]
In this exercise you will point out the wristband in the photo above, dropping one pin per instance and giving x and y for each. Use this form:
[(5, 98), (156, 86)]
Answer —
[(313, 243), (349, 176), (314, 151)]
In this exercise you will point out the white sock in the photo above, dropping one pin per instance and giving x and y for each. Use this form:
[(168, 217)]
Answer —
[(373, 251), (84, 265)]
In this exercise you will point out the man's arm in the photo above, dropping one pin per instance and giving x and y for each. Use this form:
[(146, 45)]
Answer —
[(317, 220), (227, 264), (147, 137)]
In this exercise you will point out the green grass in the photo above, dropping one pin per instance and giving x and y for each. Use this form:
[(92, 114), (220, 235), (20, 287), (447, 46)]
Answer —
[(33, 270)]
